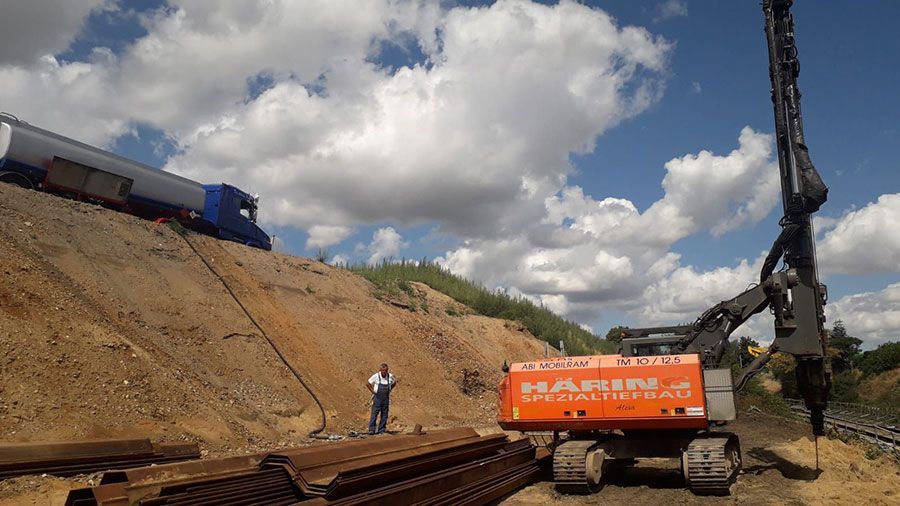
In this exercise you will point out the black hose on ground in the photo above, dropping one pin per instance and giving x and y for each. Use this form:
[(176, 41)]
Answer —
[(263, 332)]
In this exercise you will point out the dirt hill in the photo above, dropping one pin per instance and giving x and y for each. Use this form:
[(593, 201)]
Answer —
[(113, 326), (882, 389)]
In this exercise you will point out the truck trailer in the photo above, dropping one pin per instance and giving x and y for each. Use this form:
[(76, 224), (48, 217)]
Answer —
[(35, 158)]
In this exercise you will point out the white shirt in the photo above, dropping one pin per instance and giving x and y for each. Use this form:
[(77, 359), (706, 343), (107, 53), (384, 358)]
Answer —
[(376, 380)]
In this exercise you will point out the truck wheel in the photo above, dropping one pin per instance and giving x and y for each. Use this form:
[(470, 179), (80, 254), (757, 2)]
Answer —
[(16, 179)]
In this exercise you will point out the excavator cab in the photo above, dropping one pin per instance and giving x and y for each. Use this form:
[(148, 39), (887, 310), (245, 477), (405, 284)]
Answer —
[(650, 346)]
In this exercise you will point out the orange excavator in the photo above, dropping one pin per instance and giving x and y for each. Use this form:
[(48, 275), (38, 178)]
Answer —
[(666, 394)]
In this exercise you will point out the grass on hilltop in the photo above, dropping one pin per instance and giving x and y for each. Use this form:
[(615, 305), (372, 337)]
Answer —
[(389, 277)]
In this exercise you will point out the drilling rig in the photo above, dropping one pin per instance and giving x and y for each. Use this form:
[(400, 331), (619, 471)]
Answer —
[(666, 394)]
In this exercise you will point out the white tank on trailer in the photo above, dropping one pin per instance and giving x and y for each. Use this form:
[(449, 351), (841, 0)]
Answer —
[(35, 148)]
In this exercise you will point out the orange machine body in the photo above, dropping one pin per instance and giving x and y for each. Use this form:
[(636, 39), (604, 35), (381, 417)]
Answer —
[(604, 392)]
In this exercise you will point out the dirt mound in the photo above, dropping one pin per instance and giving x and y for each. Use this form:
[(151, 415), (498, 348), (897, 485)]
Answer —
[(112, 326), (847, 474), (779, 467), (881, 389)]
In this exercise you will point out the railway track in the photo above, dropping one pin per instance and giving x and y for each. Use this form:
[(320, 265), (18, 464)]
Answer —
[(878, 425)]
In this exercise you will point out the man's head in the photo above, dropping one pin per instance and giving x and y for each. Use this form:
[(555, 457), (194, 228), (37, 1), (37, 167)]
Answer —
[(383, 369)]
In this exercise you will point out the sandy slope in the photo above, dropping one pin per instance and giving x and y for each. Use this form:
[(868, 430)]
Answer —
[(112, 326)]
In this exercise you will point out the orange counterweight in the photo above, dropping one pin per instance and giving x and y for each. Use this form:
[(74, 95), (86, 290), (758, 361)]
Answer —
[(604, 392)]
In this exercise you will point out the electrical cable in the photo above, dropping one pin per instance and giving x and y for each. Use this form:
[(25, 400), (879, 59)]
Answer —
[(263, 332)]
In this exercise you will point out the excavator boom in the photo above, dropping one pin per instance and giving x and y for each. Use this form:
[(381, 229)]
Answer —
[(666, 394), (794, 295), (801, 330)]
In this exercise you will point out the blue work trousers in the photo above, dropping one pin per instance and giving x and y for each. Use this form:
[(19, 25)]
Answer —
[(380, 404)]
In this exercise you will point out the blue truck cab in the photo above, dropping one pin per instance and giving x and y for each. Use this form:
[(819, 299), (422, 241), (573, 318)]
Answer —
[(232, 213)]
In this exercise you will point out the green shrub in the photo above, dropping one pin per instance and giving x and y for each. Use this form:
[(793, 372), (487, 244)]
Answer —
[(539, 320), (754, 394), (881, 359), (845, 387)]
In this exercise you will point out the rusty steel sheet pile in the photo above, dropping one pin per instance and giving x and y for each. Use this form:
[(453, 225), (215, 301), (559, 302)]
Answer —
[(185, 470), (316, 469), (451, 466), (267, 486), (133, 485), (324, 461), (70, 458), (477, 482), (354, 481)]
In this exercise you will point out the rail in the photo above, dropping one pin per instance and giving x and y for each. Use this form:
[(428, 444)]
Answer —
[(875, 424)]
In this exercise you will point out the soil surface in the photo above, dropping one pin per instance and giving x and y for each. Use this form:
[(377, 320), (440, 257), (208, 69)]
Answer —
[(113, 326), (779, 467)]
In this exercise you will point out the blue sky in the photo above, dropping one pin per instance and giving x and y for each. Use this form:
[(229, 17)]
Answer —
[(849, 100), (708, 67), (848, 78)]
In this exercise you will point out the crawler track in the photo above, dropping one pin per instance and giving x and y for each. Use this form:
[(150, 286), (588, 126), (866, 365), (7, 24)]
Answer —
[(711, 464), (577, 466)]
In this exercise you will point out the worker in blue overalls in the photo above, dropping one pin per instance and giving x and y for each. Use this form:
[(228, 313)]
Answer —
[(380, 384)]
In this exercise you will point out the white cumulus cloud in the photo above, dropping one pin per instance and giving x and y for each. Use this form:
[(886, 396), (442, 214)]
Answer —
[(321, 236), (721, 193), (339, 260), (283, 99), (670, 9), (874, 317), (684, 293), (386, 244), (586, 255), (863, 240), (462, 136), (30, 29)]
